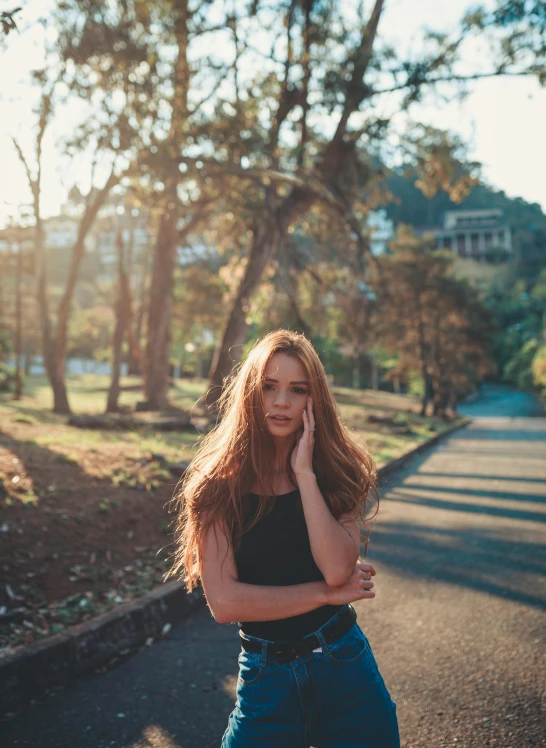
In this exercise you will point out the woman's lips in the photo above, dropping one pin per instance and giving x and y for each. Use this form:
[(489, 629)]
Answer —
[(280, 420)]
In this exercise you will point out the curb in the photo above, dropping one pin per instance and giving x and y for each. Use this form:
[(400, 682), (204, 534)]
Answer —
[(56, 661), (396, 464)]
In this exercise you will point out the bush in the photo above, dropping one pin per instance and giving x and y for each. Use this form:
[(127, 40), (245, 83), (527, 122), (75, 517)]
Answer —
[(539, 370), (518, 369), (7, 378)]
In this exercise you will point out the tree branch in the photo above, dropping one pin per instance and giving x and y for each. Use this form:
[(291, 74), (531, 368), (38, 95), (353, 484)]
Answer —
[(452, 78), (266, 176), (24, 162), (356, 89)]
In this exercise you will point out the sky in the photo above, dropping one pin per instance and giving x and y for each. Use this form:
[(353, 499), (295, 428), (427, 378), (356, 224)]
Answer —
[(503, 120)]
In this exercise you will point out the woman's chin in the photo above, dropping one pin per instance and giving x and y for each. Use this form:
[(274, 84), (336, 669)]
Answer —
[(278, 430)]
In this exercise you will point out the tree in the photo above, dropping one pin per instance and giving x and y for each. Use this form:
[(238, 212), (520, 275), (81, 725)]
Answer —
[(290, 128), (16, 267), (138, 53), (331, 168), (54, 342), (122, 313), (519, 369), (435, 322), (539, 370), (91, 332), (198, 311)]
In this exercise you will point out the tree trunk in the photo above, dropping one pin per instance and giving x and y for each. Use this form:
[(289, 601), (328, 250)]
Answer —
[(156, 374), (264, 248), (423, 350), (78, 251), (266, 241), (356, 373), (135, 354), (156, 364), (427, 395), (135, 364), (60, 400), (441, 394), (122, 304), (18, 390), (375, 372)]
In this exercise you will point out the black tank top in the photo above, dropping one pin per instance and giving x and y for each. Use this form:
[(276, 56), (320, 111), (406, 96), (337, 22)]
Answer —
[(277, 552)]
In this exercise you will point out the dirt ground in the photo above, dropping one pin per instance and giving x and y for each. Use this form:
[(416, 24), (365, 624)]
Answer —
[(80, 544)]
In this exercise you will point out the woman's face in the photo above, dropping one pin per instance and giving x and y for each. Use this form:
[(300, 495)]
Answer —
[(285, 390)]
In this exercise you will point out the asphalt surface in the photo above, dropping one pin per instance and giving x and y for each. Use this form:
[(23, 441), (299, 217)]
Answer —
[(499, 400), (457, 625)]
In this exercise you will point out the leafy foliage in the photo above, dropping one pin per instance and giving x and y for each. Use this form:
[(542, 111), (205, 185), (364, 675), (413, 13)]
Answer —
[(435, 322), (539, 369)]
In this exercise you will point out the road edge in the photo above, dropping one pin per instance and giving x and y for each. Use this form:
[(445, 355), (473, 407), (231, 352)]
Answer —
[(57, 661)]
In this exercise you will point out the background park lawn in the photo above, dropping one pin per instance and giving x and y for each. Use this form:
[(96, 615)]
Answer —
[(85, 513)]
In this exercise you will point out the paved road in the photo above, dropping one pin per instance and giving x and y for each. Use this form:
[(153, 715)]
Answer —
[(457, 624), (500, 400)]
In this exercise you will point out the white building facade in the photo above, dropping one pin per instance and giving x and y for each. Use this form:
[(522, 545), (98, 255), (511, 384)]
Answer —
[(482, 235), (381, 230)]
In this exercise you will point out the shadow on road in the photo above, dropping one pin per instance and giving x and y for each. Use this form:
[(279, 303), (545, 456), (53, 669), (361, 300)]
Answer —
[(480, 476), (460, 506), (464, 528), (177, 693), (472, 558)]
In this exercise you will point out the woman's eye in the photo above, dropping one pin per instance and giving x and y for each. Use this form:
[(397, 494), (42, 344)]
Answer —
[(297, 390)]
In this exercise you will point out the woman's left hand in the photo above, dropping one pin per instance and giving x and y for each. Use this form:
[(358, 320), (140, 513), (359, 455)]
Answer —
[(302, 454)]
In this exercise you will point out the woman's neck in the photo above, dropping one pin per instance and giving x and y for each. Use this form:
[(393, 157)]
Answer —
[(280, 483), (283, 450)]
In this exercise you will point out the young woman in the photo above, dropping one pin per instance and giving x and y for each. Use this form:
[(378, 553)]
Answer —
[(269, 521)]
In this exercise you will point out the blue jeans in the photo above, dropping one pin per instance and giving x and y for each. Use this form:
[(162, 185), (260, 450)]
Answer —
[(335, 698)]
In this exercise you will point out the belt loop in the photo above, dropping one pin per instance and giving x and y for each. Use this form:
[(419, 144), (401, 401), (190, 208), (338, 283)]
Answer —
[(263, 656), (322, 640), (347, 610)]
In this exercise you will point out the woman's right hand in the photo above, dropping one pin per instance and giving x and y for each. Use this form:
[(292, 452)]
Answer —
[(357, 587)]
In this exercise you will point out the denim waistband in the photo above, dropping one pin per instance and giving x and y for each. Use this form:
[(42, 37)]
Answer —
[(317, 633), (324, 626)]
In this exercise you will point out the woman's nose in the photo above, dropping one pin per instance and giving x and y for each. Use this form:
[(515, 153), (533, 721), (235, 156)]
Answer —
[(281, 398)]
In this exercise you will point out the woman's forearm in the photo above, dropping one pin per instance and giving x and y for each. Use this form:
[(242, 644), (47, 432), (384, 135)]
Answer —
[(255, 602), (332, 546)]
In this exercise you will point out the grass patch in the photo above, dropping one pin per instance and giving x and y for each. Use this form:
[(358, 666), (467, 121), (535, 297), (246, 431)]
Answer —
[(114, 454), (24, 418), (87, 393)]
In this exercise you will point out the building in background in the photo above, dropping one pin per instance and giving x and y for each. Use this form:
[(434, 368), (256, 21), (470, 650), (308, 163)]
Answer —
[(60, 232), (381, 230), (481, 235)]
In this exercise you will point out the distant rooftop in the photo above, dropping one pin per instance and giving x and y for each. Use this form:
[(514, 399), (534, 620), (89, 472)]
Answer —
[(480, 234), (461, 219)]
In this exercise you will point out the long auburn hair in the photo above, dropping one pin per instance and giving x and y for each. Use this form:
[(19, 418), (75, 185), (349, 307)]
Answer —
[(240, 450)]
